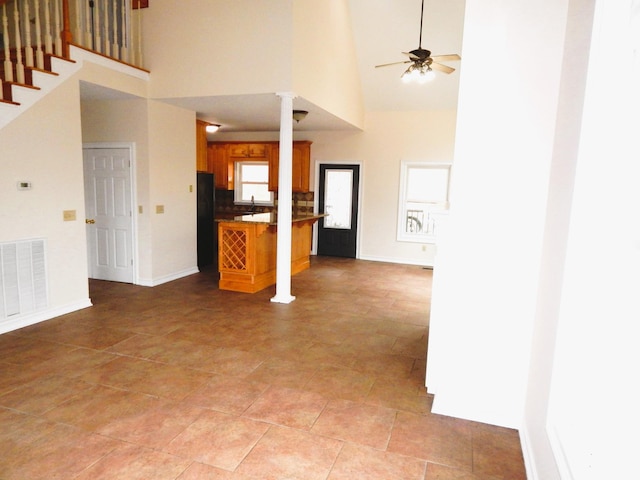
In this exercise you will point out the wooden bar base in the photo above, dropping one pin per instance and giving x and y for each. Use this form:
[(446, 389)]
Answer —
[(247, 258)]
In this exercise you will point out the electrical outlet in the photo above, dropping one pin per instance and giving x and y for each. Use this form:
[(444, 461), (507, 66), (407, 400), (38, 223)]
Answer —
[(69, 215), (159, 208), (140, 209), (424, 248), (190, 188)]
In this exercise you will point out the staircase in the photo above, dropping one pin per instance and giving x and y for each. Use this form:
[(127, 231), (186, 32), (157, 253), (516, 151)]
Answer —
[(36, 38), (18, 97)]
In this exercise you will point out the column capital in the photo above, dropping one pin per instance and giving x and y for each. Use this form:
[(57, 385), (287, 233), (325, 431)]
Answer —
[(286, 94)]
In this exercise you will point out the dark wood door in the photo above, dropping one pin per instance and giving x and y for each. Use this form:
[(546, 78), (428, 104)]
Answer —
[(338, 197)]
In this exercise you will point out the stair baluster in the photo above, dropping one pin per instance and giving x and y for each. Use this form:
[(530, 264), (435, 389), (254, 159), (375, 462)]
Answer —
[(124, 48), (39, 51), (115, 51), (19, 64), (107, 43), (138, 58), (28, 49), (8, 66), (97, 46), (48, 39), (57, 31)]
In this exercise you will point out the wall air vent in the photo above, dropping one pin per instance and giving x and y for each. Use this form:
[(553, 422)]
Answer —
[(23, 278)]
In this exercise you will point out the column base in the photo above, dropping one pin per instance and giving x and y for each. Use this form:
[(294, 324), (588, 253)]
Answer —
[(283, 299)]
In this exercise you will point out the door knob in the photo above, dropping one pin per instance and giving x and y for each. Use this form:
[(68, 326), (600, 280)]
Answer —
[(92, 221)]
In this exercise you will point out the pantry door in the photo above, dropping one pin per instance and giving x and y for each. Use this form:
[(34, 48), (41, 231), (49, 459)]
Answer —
[(108, 211), (338, 197)]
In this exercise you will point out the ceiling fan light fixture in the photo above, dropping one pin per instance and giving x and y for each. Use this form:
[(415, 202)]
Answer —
[(426, 75), (418, 73), (409, 74)]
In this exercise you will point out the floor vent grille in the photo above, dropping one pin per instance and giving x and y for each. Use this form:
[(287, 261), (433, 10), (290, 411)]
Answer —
[(23, 277)]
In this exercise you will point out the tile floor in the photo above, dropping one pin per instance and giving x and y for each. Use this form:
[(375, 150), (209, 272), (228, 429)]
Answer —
[(184, 381)]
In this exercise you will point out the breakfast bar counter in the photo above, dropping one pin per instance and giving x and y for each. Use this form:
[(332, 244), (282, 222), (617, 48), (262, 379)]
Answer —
[(247, 249)]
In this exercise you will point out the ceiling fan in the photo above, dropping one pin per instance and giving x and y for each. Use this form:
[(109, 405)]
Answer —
[(422, 62)]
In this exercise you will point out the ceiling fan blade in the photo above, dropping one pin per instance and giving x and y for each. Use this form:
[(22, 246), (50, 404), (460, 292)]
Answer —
[(393, 63), (445, 58), (442, 68)]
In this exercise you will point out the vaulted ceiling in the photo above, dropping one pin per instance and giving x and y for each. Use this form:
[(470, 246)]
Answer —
[(382, 30)]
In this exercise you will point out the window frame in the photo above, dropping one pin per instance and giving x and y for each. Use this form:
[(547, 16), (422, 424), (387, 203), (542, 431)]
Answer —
[(436, 212), (238, 184)]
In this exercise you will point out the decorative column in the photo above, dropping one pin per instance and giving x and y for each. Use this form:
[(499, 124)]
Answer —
[(285, 173)]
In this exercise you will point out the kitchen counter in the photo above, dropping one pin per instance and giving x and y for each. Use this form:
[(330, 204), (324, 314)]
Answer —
[(247, 249), (269, 218)]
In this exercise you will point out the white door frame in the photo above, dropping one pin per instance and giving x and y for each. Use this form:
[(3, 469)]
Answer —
[(131, 146), (316, 200)]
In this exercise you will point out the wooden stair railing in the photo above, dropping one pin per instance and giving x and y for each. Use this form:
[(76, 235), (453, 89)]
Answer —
[(33, 31)]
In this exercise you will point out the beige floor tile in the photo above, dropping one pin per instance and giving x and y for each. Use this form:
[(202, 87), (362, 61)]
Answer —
[(43, 394), (356, 461), (435, 438), (291, 454), (288, 407), (356, 422), (218, 439), (134, 462), (227, 394)]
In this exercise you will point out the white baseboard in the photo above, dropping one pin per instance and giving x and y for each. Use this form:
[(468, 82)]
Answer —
[(527, 454), (154, 282), (402, 261), (21, 321)]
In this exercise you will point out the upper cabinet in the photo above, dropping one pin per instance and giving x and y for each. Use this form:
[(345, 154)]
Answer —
[(255, 151), (220, 166), (201, 146), (222, 155), (301, 162)]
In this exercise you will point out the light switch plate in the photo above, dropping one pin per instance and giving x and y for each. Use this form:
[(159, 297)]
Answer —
[(69, 215), (159, 208)]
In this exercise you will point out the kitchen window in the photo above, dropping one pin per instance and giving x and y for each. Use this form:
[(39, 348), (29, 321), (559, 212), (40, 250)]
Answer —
[(251, 184), (424, 201)]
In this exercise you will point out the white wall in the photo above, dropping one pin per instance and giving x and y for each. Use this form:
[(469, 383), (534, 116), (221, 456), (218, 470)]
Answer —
[(164, 138), (172, 160), (593, 404), (553, 353), (246, 47), (324, 58), (236, 47), (485, 280), (558, 216), (43, 146)]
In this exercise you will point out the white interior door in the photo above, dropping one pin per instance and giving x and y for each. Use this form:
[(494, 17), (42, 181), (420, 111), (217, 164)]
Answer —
[(109, 219)]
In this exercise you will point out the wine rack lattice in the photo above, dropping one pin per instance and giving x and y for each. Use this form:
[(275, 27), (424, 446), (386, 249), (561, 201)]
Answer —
[(234, 250)]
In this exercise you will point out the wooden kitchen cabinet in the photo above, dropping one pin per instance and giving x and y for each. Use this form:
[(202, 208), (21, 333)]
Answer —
[(301, 164), (220, 165), (256, 151), (202, 163), (222, 155)]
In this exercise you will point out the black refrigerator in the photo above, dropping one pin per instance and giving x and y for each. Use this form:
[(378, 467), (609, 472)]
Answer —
[(207, 232)]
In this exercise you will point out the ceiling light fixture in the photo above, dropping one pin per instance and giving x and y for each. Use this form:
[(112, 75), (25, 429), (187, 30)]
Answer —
[(418, 72), (299, 115), (212, 128)]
